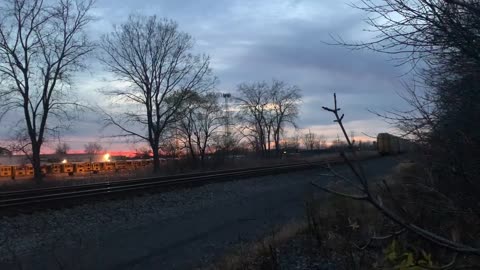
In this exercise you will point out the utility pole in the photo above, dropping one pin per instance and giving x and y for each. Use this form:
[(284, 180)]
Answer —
[(226, 96)]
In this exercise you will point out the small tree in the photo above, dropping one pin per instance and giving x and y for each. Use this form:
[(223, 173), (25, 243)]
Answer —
[(323, 141), (201, 121), (292, 143), (92, 149), (143, 152), (310, 140), (62, 148)]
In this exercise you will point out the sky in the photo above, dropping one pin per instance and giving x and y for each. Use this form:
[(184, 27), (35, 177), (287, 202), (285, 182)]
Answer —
[(249, 41)]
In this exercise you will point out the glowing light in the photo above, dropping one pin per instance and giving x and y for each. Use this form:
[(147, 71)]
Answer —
[(64, 161), (106, 157)]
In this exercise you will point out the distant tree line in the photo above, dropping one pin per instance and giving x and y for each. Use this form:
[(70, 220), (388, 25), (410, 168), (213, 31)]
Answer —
[(171, 102)]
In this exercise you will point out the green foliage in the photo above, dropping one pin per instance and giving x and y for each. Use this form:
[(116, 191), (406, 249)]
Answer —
[(397, 257)]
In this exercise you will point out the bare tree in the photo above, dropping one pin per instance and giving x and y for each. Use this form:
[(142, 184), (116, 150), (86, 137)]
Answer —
[(292, 143), (41, 44), (265, 110), (92, 149), (170, 144), (285, 102), (155, 58), (310, 140), (253, 100), (444, 36), (323, 141), (422, 30), (202, 119), (62, 148), (338, 144), (143, 152)]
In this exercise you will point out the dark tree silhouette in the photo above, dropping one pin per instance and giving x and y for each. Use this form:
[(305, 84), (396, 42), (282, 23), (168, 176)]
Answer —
[(41, 44), (155, 58), (201, 122), (265, 110)]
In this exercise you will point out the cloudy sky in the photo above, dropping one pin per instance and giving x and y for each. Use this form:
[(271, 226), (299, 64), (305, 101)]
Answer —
[(252, 40)]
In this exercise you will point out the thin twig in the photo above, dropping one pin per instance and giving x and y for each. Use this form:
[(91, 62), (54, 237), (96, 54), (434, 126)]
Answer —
[(384, 237)]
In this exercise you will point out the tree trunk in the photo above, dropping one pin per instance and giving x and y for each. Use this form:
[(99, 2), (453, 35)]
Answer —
[(203, 149), (156, 160), (202, 158), (191, 148), (37, 169), (268, 144), (277, 144)]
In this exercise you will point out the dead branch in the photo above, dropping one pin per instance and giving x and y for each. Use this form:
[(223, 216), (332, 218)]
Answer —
[(383, 237), (377, 203)]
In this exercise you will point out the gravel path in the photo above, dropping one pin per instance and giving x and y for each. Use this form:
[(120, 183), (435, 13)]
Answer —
[(172, 230)]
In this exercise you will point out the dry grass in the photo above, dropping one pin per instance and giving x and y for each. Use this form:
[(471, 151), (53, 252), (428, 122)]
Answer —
[(326, 235), (260, 254), (339, 230)]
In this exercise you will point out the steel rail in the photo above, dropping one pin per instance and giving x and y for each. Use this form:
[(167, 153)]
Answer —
[(19, 193), (60, 194)]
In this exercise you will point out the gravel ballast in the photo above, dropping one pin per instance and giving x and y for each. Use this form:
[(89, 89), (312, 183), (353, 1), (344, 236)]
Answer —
[(52, 232)]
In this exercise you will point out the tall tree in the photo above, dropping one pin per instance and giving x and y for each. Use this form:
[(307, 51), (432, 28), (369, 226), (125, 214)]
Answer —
[(285, 101), (253, 114), (444, 36), (155, 58), (41, 44), (265, 110)]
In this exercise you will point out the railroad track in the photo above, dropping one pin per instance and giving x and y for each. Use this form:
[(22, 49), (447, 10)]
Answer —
[(62, 195)]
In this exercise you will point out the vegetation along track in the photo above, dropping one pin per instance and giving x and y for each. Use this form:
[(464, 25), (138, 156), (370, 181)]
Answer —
[(58, 196)]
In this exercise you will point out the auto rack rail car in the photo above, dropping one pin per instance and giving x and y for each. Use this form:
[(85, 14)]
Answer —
[(72, 168)]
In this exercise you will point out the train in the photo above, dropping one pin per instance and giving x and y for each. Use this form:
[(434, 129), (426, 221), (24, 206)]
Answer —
[(72, 168), (388, 144)]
